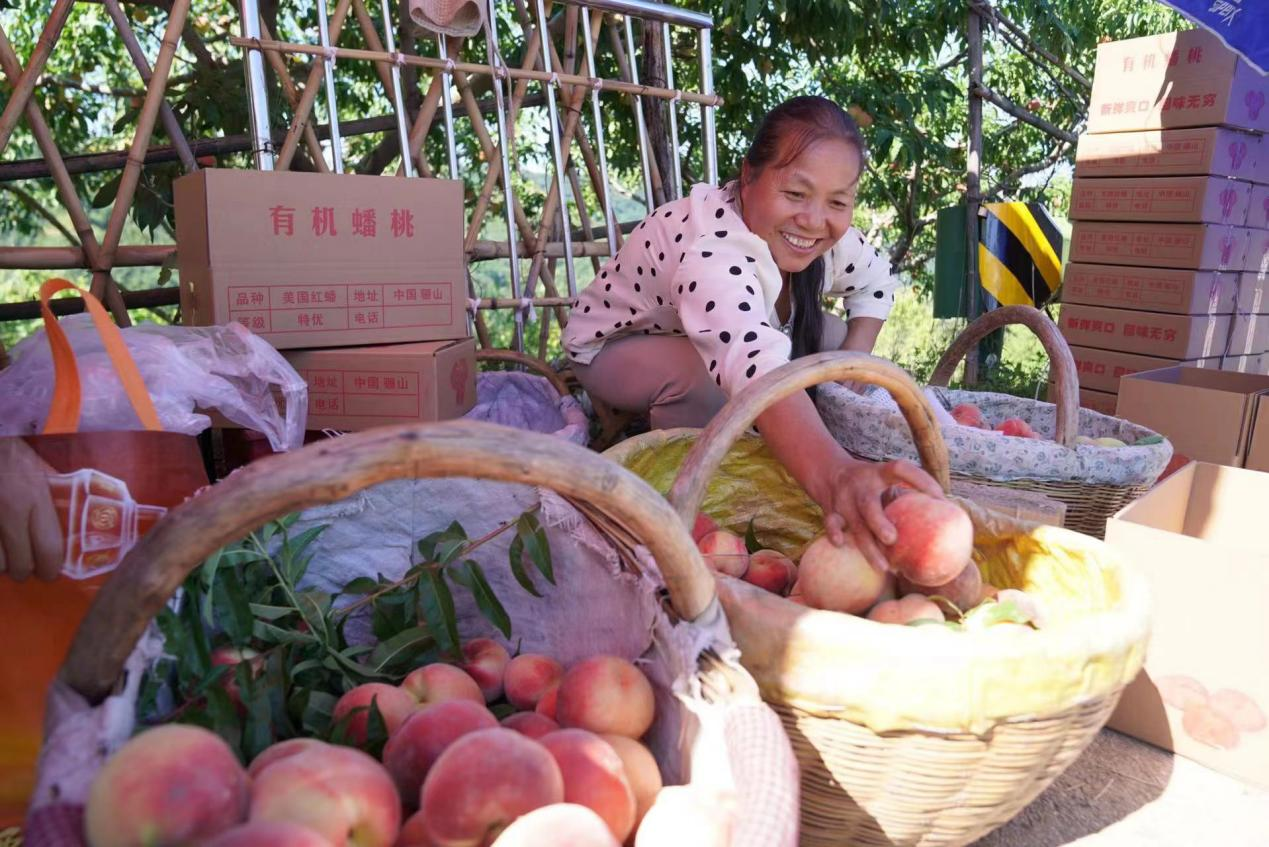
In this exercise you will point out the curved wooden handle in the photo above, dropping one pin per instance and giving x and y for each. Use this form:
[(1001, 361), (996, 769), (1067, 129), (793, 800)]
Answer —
[(1062, 363), (537, 365), (331, 469), (707, 454)]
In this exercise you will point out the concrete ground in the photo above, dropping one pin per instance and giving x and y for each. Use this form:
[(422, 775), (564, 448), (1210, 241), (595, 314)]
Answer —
[(1125, 793)]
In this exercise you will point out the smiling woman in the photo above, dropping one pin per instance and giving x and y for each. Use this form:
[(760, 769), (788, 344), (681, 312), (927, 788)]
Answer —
[(716, 289)]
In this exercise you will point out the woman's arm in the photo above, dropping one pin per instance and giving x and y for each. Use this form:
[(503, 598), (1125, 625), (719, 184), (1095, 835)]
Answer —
[(861, 334), (847, 489)]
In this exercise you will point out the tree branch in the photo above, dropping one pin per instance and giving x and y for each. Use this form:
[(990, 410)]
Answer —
[(31, 202), (1012, 178)]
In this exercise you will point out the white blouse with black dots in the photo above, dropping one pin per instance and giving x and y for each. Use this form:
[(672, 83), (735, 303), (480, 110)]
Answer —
[(693, 268)]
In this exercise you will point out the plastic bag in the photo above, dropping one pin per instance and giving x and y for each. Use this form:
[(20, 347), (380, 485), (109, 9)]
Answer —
[(187, 371)]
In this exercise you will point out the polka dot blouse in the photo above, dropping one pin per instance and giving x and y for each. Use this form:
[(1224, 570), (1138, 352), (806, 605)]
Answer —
[(692, 268)]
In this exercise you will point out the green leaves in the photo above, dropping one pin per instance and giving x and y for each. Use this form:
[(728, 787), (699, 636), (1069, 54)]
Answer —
[(470, 576), (530, 541), (752, 545)]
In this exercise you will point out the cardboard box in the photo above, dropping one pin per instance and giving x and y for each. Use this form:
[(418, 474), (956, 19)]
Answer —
[(1258, 207), (355, 388), (1191, 246), (1148, 333), (1179, 199), (1097, 401), (1255, 364), (319, 260), (1248, 335), (1182, 79), (1101, 370), (1251, 294), (1198, 538), (1178, 292), (1207, 415), (1170, 152), (1256, 257), (1258, 446)]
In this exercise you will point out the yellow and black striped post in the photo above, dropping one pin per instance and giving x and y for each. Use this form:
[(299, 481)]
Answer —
[(1019, 254)]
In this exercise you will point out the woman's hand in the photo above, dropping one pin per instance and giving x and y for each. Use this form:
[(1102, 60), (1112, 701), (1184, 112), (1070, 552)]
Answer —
[(31, 536), (852, 503)]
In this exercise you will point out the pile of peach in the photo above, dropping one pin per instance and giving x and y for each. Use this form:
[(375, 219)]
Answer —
[(967, 414), (567, 770), (931, 575)]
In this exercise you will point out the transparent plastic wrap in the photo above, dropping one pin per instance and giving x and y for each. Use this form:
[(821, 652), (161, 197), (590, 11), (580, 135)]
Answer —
[(188, 371)]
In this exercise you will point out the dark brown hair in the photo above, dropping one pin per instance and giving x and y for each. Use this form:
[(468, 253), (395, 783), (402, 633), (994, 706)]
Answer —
[(783, 135)]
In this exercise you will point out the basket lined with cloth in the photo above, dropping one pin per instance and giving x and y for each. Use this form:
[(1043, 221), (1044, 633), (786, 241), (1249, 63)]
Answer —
[(908, 735), (711, 729), (1093, 481)]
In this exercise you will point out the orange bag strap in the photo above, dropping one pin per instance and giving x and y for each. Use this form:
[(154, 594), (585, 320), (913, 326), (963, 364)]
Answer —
[(63, 413)]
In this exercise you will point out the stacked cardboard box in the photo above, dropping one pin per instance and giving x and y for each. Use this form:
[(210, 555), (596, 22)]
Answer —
[(1169, 245), (359, 281)]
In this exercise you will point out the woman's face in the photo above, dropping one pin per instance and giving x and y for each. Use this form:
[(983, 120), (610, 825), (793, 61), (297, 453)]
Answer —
[(803, 208)]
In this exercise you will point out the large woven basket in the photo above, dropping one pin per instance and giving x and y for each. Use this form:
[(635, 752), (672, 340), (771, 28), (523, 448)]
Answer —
[(629, 514), (908, 735)]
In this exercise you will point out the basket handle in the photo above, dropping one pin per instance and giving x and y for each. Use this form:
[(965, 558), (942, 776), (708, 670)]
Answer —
[(1062, 363), (534, 364), (706, 455), (331, 469)]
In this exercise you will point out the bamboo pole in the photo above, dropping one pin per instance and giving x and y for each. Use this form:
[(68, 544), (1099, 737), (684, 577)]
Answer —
[(436, 66), (145, 126), (61, 179), (170, 123), (384, 69), (66, 258), (625, 65), (292, 95), (309, 94), (24, 85), (149, 299)]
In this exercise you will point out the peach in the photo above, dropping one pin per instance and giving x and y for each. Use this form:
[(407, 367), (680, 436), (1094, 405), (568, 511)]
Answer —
[(420, 741), (529, 676), (935, 538), (913, 607), (686, 814), (838, 579), (964, 590), (641, 771), (486, 662), (559, 825), (352, 712), (724, 552), (605, 694), (530, 724), (546, 706), (231, 657), (594, 777), (483, 782), (414, 833), (1207, 726), (1017, 428), (703, 526), (1239, 709), (168, 785), (438, 682), (771, 570), (340, 793), (265, 834), (279, 751), (967, 414)]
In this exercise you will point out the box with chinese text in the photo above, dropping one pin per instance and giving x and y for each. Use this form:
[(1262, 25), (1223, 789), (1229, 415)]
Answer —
[(1148, 333), (356, 388), (1256, 257), (1181, 79), (322, 260), (1251, 294), (1101, 370), (1182, 199), (1258, 208), (1178, 292), (1203, 247), (1214, 151)]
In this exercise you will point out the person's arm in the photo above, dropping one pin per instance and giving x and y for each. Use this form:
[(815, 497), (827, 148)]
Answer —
[(861, 334), (30, 535)]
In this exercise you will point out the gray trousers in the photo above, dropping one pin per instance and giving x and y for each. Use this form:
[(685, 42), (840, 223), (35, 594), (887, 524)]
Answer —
[(663, 377)]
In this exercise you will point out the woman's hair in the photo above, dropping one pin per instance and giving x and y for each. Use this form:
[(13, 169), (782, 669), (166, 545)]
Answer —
[(784, 133)]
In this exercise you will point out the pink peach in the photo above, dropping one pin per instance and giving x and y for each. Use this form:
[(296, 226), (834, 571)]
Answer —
[(529, 676), (724, 553), (546, 706), (486, 662), (168, 785), (264, 834), (483, 782), (352, 711), (438, 682), (558, 825), (935, 538), (641, 770), (838, 579), (703, 526), (964, 590), (771, 570), (594, 777), (530, 724), (279, 751), (913, 607), (606, 694), (420, 741), (231, 657), (414, 833)]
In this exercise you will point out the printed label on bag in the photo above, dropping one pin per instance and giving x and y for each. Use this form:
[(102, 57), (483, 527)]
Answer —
[(100, 520)]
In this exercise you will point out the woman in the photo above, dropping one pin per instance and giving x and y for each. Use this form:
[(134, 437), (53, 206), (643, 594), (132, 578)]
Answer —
[(696, 304)]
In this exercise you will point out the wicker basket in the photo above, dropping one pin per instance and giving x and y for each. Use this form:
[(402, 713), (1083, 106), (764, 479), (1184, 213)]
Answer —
[(906, 735), (628, 514)]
